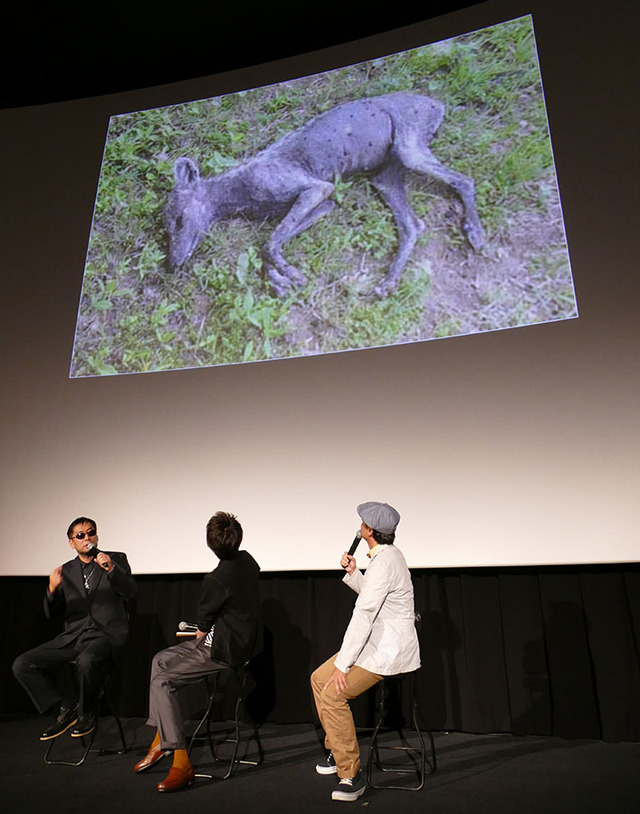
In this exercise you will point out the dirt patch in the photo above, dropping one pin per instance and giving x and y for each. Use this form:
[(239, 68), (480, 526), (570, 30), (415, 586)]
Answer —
[(521, 276)]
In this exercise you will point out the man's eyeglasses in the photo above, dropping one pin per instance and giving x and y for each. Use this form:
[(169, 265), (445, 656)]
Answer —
[(82, 534)]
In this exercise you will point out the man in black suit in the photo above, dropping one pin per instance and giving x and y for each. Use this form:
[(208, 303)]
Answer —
[(229, 632), (90, 592)]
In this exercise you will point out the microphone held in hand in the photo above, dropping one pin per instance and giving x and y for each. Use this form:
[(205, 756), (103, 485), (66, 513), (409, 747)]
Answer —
[(187, 626), (93, 551), (354, 544)]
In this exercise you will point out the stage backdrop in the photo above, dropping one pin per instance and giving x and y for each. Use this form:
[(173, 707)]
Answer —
[(551, 651)]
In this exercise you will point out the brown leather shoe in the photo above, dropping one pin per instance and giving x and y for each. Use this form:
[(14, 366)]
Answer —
[(154, 754), (177, 778)]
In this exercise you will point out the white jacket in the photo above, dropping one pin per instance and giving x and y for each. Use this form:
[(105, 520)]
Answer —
[(381, 636)]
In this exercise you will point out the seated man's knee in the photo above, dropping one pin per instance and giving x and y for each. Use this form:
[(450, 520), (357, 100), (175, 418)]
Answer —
[(89, 660), (321, 674), (157, 662), (160, 674), (166, 660), (329, 697), (158, 665), (318, 680), (21, 666)]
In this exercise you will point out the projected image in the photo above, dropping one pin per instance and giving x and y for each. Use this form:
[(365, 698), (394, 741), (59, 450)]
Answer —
[(408, 198)]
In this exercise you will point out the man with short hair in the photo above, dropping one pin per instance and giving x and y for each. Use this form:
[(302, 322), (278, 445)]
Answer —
[(90, 592), (380, 640), (229, 633)]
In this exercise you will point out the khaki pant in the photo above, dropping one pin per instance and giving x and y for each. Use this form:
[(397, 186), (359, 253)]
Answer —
[(335, 713)]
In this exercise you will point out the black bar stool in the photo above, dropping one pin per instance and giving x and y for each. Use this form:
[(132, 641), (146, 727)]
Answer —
[(421, 765), (87, 741), (238, 678)]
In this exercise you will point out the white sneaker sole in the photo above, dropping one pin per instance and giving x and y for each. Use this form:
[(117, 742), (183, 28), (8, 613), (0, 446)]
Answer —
[(347, 796), (323, 769)]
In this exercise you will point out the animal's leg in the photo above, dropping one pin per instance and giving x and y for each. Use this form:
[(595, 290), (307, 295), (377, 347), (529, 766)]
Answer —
[(310, 205), (389, 184), (416, 156), (322, 209), (281, 284)]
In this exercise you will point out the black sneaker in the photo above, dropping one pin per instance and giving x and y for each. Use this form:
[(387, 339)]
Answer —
[(349, 788), (85, 726), (66, 718), (327, 766)]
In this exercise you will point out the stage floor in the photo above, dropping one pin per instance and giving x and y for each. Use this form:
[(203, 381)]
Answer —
[(493, 773)]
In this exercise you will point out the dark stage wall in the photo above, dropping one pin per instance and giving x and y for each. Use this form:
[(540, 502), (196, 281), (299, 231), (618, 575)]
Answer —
[(546, 651)]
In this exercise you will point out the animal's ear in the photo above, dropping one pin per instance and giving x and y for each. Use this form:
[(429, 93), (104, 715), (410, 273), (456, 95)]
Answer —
[(186, 172)]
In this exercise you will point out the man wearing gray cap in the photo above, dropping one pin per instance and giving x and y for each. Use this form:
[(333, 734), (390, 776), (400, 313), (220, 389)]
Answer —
[(380, 640)]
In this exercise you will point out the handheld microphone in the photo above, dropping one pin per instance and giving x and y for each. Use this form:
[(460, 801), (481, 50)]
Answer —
[(354, 544), (93, 551), (186, 629)]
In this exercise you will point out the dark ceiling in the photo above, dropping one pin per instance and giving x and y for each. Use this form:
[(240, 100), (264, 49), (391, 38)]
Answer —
[(58, 52)]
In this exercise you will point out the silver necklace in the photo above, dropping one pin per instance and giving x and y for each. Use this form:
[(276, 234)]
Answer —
[(86, 575)]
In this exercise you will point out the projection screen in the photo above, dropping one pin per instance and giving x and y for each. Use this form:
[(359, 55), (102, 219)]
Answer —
[(473, 397)]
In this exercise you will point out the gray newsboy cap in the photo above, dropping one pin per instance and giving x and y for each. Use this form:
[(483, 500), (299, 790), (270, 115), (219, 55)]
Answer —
[(379, 516)]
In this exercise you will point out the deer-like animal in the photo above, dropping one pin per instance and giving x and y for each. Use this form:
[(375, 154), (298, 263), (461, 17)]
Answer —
[(294, 178)]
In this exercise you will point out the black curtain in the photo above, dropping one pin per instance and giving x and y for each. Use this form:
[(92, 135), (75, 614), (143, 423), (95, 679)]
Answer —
[(545, 651)]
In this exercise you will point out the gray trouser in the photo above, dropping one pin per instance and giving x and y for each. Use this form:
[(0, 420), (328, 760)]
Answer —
[(176, 667)]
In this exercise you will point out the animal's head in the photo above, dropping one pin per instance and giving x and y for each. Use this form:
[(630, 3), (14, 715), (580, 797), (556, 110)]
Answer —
[(187, 213)]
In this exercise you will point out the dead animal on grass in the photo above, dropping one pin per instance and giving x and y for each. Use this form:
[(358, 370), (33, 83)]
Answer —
[(293, 180)]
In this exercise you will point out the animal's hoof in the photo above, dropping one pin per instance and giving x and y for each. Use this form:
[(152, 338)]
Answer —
[(293, 276), (284, 285), (281, 284)]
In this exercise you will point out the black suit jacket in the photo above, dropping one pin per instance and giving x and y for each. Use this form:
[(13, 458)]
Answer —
[(105, 606), (230, 599)]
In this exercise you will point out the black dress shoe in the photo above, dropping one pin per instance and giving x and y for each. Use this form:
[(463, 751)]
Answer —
[(85, 726), (66, 718)]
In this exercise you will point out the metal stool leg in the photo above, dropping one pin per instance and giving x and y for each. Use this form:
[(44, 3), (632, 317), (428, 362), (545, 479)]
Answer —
[(121, 731), (240, 677), (212, 687), (419, 750)]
